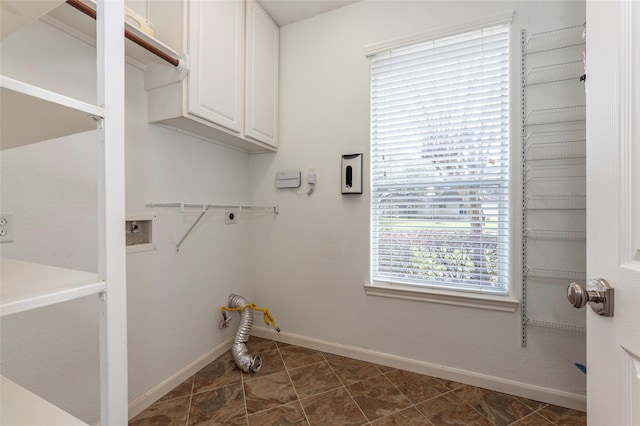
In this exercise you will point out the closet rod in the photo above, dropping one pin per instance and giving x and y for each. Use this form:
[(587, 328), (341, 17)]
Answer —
[(87, 10)]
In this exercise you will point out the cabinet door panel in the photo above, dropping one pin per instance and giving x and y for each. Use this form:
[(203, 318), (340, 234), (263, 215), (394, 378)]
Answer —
[(261, 99), (216, 46)]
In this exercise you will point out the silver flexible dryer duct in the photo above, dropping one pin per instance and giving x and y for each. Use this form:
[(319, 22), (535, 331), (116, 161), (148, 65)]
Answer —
[(244, 360)]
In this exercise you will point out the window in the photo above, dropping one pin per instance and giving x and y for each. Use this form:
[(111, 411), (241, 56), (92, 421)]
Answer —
[(440, 163)]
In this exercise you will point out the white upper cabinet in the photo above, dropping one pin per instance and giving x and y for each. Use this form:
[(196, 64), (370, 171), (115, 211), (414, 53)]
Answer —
[(230, 93), (261, 97), (216, 52)]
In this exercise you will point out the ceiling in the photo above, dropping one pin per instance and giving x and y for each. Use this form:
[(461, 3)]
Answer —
[(285, 12)]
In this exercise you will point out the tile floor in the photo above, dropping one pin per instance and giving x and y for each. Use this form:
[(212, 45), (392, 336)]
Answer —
[(299, 386)]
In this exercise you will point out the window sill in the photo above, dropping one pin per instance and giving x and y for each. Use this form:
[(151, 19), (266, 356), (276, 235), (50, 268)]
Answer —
[(470, 300)]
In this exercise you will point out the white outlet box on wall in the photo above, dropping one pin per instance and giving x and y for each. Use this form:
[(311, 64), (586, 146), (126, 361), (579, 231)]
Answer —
[(6, 228), (288, 179)]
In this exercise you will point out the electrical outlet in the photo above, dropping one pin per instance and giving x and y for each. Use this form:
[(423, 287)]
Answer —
[(312, 176), (6, 228), (230, 218)]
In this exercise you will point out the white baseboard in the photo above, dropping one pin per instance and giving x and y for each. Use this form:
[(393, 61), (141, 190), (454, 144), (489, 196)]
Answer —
[(142, 402), (524, 390)]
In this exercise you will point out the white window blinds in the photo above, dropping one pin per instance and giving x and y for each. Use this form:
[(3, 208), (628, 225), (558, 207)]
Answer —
[(440, 162)]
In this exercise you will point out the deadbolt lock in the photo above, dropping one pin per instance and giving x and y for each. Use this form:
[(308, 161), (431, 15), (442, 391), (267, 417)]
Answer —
[(598, 294)]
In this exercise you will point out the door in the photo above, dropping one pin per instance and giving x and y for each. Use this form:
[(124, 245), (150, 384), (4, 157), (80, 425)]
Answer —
[(216, 50), (613, 209)]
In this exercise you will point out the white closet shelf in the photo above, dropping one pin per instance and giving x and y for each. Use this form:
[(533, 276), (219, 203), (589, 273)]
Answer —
[(27, 285), (18, 13), (555, 115), (204, 206), (70, 20), (556, 202), (554, 274), (32, 114), (555, 326), (549, 234), (552, 40), (21, 407), (566, 135), (555, 150), (563, 171), (554, 73)]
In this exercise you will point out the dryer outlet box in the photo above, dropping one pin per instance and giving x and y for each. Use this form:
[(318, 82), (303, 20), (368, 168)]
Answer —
[(230, 218), (288, 179)]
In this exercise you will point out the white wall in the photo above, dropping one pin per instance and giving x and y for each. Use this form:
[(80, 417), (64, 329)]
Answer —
[(307, 264), (50, 187), (310, 263)]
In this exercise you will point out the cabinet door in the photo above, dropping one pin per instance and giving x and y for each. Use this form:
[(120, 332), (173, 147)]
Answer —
[(216, 50), (261, 98)]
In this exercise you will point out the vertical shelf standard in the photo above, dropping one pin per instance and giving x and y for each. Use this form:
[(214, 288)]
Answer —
[(111, 214)]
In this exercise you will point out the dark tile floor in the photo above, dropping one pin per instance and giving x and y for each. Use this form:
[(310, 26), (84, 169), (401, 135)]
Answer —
[(298, 386)]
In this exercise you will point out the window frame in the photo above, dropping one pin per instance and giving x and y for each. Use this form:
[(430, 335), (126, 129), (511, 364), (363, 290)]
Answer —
[(501, 302)]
